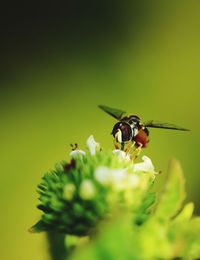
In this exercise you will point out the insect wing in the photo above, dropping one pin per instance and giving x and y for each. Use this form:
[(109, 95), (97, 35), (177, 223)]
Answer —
[(157, 124), (114, 112)]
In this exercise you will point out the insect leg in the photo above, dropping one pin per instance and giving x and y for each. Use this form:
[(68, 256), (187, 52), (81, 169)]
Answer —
[(135, 151), (122, 146)]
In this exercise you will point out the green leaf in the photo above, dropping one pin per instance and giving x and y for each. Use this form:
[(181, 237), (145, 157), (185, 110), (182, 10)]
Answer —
[(174, 193), (184, 237), (186, 213), (143, 212), (193, 239), (40, 226)]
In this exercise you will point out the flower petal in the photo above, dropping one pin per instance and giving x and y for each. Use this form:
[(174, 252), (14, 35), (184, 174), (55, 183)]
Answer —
[(121, 154), (145, 166), (92, 145), (102, 175), (76, 153)]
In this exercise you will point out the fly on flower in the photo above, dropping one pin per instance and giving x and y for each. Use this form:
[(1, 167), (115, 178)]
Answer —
[(130, 129)]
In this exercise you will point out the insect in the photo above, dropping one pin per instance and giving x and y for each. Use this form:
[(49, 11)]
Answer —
[(130, 129)]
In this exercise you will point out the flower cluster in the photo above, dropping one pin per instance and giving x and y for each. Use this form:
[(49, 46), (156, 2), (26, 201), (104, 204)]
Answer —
[(76, 195), (107, 185)]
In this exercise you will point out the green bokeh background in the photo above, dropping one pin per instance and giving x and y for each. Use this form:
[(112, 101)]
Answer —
[(143, 57)]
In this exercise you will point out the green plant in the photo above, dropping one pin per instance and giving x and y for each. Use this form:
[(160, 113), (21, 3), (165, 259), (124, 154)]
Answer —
[(104, 200)]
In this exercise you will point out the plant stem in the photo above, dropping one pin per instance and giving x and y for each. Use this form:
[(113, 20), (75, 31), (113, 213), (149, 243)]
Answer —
[(57, 248)]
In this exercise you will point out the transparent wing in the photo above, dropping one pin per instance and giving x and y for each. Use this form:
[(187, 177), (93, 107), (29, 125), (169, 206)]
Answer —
[(157, 124), (116, 113)]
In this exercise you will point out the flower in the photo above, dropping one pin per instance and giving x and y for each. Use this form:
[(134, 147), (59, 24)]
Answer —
[(119, 179), (75, 195), (92, 145), (145, 166), (107, 176), (102, 175), (76, 153), (121, 154)]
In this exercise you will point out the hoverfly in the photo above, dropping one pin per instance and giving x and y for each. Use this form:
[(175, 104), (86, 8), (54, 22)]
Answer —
[(132, 129)]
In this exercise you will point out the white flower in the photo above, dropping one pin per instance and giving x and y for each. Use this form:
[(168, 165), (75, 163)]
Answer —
[(133, 181), (119, 179), (121, 154), (118, 175), (87, 190), (92, 145), (107, 176), (145, 166), (102, 174), (76, 153)]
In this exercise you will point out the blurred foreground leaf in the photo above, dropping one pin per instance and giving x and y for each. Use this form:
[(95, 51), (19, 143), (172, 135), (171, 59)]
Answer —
[(174, 193)]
